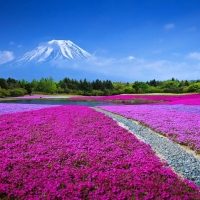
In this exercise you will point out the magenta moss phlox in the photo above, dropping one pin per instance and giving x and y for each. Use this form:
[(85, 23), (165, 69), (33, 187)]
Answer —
[(74, 152)]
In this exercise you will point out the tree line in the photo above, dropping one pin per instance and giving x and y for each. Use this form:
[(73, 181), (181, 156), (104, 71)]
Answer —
[(12, 87)]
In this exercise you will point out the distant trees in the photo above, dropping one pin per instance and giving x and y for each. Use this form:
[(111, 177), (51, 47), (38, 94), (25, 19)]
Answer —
[(195, 87), (34, 85), (17, 92), (101, 85), (85, 87), (3, 83), (152, 83), (4, 93), (27, 86), (46, 85), (168, 86), (140, 87), (12, 87), (172, 86)]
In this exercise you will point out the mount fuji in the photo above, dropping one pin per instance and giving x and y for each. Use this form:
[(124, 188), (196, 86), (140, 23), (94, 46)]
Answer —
[(55, 58), (51, 51)]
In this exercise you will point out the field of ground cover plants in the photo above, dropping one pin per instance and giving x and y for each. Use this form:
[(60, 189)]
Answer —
[(75, 152), (180, 123), (187, 99), (13, 107)]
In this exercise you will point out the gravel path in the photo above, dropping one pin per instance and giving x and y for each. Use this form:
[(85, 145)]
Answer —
[(179, 159)]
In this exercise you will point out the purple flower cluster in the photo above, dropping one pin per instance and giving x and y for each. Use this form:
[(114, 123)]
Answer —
[(13, 107), (180, 123), (74, 152), (191, 109)]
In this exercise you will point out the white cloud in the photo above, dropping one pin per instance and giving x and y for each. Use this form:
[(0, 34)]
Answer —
[(125, 69), (6, 56), (194, 55), (131, 58), (169, 26)]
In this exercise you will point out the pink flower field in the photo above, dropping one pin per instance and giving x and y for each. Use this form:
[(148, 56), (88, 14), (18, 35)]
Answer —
[(75, 152), (190, 99), (180, 123), (13, 107)]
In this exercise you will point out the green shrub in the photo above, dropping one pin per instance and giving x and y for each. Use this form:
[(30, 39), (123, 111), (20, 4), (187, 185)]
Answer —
[(60, 90), (153, 89), (129, 90), (185, 89), (140, 87), (4, 93), (17, 92), (195, 87), (97, 93)]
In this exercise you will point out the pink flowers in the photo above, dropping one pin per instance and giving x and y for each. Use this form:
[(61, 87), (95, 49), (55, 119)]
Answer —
[(13, 107), (74, 152), (180, 123), (190, 99)]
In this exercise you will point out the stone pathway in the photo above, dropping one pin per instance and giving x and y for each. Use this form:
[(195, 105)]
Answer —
[(182, 161)]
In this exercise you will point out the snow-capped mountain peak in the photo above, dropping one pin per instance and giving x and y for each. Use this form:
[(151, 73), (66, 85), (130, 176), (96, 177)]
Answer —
[(54, 50)]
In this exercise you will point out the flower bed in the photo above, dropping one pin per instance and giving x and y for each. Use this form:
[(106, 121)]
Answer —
[(180, 123), (74, 152), (190, 99), (13, 107)]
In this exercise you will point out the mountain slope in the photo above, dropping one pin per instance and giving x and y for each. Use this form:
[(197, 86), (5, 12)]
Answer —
[(51, 51), (56, 58)]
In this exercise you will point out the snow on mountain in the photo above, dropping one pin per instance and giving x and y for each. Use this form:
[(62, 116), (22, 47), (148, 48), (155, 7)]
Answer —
[(56, 58), (53, 50)]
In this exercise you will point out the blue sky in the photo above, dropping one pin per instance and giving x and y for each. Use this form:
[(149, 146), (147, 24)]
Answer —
[(137, 39)]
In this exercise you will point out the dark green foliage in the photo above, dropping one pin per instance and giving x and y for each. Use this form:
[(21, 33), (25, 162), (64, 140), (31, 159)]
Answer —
[(97, 85), (194, 87), (85, 86), (172, 86), (3, 83), (28, 88), (140, 87), (12, 87), (12, 83), (153, 83), (34, 84)]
